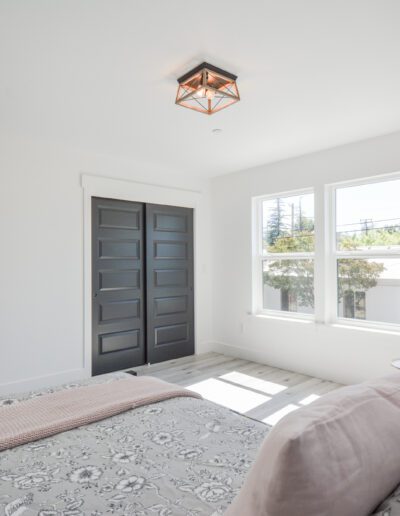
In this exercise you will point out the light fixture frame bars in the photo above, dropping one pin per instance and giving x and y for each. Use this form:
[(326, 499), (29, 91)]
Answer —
[(189, 91)]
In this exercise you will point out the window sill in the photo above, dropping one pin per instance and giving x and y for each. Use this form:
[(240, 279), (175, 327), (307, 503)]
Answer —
[(344, 325), (370, 328), (286, 318)]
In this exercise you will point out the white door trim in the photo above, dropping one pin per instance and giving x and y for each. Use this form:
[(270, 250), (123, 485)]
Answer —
[(99, 186)]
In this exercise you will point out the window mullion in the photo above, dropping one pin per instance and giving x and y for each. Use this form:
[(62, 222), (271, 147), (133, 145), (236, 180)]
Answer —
[(288, 256), (257, 296), (319, 261), (367, 254)]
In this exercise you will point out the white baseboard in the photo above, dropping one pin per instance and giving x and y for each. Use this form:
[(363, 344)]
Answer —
[(38, 382), (238, 352), (72, 375), (204, 347), (258, 355)]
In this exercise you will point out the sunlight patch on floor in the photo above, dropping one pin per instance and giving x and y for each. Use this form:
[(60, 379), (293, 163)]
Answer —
[(230, 396), (251, 382), (279, 414), (309, 399)]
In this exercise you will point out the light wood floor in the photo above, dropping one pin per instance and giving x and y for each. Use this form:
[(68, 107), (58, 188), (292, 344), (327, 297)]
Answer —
[(259, 391)]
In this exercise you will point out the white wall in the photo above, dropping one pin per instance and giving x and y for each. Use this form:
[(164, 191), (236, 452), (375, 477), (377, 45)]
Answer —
[(42, 265), (42, 262), (337, 353)]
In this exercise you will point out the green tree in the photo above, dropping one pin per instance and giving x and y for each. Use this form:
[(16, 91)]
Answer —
[(385, 237), (357, 274), (292, 276), (278, 237), (297, 276), (275, 227)]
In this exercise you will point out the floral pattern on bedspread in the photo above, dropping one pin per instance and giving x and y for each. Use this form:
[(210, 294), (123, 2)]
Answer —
[(182, 456)]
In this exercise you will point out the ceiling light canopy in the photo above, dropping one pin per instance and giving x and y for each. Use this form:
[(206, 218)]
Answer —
[(207, 89)]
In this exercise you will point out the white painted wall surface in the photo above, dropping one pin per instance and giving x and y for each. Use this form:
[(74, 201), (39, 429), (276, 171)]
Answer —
[(342, 354), (42, 260)]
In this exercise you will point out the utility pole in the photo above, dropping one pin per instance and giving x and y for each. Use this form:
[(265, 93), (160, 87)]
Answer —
[(367, 223)]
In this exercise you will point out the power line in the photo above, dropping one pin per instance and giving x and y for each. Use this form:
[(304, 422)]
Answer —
[(311, 235), (373, 221)]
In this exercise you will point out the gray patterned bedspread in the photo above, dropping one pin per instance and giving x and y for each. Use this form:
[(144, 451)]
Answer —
[(182, 456)]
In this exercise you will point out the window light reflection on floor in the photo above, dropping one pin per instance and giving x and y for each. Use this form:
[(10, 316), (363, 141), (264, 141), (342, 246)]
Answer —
[(230, 396), (309, 399), (279, 414), (253, 383)]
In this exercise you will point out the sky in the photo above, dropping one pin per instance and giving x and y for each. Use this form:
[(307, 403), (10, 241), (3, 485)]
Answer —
[(379, 202), (376, 201)]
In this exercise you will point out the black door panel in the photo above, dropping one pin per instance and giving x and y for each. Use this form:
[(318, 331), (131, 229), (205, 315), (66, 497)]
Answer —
[(169, 263), (117, 285)]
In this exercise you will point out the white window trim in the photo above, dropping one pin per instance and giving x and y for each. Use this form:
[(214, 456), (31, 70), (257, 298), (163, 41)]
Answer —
[(325, 257), (333, 255), (258, 258)]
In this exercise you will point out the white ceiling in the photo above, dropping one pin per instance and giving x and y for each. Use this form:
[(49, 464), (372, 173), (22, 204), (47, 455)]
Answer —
[(100, 75)]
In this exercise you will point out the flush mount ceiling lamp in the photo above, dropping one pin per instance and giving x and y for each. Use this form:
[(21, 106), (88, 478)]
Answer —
[(207, 89)]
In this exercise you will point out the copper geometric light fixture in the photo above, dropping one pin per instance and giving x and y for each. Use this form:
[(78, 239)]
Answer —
[(207, 89)]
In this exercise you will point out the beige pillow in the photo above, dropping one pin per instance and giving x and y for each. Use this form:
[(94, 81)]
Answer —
[(339, 456)]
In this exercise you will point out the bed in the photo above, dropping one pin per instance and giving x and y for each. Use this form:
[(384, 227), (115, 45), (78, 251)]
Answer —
[(181, 456)]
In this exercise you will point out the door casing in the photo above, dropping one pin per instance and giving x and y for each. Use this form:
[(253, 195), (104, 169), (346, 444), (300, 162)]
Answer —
[(119, 189)]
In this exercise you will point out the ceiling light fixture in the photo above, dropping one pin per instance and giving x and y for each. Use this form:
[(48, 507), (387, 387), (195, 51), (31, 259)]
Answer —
[(207, 89)]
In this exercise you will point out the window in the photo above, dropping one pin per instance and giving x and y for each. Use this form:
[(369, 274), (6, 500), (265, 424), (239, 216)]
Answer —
[(355, 253), (367, 251), (285, 257)]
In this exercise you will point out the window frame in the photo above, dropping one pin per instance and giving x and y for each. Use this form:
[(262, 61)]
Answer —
[(259, 257), (334, 254)]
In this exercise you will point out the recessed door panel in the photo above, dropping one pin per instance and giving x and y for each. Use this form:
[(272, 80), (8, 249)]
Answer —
[(113, 342), (111, 249), (170, 305), (119, 279), (170, 250), (174, 223), (164, 278), (117, 310), (118, 218), (171, 334)]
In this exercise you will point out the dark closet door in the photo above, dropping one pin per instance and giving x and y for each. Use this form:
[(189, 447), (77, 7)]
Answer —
[(117, 285), (169, 262)]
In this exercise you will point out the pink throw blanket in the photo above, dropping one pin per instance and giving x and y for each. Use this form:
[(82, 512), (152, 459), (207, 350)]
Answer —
[(64, 410)]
